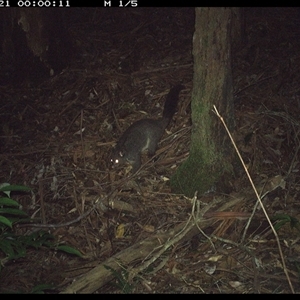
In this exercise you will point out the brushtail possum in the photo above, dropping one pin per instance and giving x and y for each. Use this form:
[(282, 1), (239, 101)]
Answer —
[(144, 134)]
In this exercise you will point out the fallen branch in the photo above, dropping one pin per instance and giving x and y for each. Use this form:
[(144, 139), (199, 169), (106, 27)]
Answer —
[(146, 252)]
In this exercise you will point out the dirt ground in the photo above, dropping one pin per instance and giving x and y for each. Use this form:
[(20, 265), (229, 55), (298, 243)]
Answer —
[(56, 137)]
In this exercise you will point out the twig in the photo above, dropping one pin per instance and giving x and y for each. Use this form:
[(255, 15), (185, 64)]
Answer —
[(258, 198), (161, 69), (254, 83), (96, 203), (188, 226), (41, 193), (81, 138)]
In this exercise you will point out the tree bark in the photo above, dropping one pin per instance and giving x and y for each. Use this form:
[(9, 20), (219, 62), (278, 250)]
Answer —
[(35, 43), (211, 154)]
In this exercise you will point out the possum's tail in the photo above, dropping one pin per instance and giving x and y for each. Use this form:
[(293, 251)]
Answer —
[(171, 104)]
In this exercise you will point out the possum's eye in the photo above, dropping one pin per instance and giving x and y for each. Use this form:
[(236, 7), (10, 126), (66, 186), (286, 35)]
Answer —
[(114, 161)]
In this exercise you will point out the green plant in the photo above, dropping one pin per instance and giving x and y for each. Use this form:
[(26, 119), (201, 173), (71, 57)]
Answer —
[(38, 289), (10, 212), (281, 219), (14, 246), (122, 280)]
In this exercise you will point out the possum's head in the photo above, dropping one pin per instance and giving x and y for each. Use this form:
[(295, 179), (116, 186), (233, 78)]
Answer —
[(117, 157)]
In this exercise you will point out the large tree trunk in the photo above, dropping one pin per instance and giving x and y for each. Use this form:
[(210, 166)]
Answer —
[(210, 159), (34, 44)]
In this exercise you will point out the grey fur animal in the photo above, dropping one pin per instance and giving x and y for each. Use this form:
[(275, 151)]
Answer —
[(145, 134)]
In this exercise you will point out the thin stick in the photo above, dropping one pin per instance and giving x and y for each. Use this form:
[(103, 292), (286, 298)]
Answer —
[(258, 198)]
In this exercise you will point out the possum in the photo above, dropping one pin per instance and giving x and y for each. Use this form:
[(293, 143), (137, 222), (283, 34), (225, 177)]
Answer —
[(144, 134)]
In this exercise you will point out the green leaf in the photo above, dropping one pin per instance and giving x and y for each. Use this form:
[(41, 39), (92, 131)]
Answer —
[(8, 202), (3, 185), (39, 289), (35, 239), (16, 188), (5, 221), (12, 211), (69, 249), (283, 219), (12, 248), (6, 247), (38, 239)]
